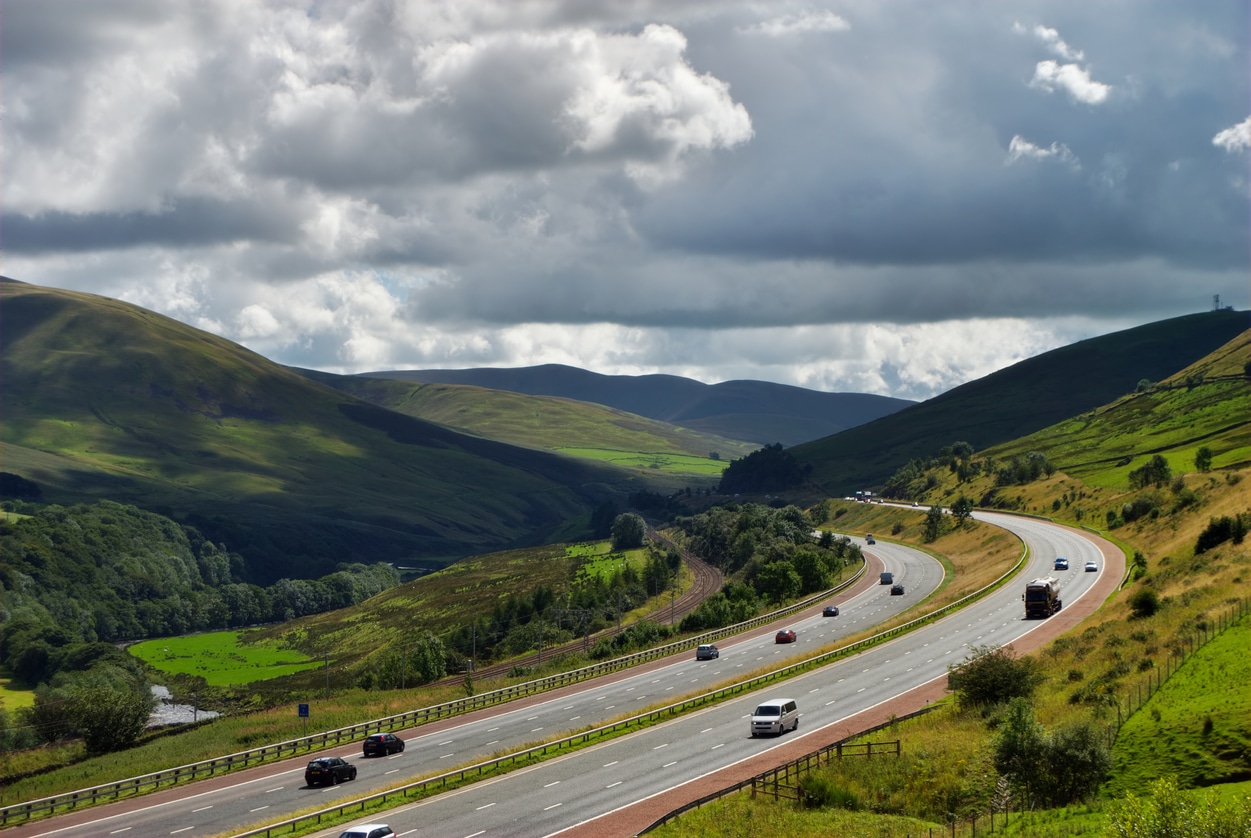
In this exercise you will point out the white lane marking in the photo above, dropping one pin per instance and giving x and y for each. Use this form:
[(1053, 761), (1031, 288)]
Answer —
[(193, 811), (610, 764), (258, 809), (267, 791), (553, 783), (487, 806), (553, 806), (610, 785), (667, 764)]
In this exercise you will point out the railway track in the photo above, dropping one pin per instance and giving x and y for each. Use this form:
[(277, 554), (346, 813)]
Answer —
[(706, 581)]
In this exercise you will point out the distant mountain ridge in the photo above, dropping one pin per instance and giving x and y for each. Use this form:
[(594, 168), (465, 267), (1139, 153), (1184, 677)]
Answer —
[(762, 412)]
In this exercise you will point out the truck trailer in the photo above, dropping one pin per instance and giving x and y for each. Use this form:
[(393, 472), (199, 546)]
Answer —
[(1042, 597)]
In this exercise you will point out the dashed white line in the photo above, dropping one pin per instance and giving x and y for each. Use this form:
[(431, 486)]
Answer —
[(487, 806)]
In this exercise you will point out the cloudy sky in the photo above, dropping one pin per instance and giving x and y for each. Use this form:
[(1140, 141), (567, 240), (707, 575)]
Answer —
[(885, 197)]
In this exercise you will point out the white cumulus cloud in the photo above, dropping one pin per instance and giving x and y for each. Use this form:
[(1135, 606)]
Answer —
[(1052, 39), (1236, 137), (1022, 148), (1072, 79)]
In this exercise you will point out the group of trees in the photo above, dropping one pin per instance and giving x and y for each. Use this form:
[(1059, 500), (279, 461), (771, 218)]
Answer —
[(768, 469), (770, 551), (1052, 768), (105, 572)]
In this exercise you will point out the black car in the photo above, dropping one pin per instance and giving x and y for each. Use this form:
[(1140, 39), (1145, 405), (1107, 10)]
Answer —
[(329, 770), (381, 744), (830, 611), (896, 589)]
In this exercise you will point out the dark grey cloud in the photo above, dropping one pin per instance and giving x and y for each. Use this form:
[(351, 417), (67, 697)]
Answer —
[(801, 191)]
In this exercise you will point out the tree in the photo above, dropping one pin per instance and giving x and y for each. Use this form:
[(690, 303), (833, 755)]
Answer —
[(110, 708), (933, 523), (778, 581), (1203, 459), (628, 531), (429, 659), (1155, 471), (992, 675), (1020, 748), (1077, 761), (962, 510)]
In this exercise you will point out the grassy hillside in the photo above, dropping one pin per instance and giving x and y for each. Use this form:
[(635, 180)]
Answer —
[(1196, 728), (103, 399), (543, 422), (1017, 401), (759, 411)]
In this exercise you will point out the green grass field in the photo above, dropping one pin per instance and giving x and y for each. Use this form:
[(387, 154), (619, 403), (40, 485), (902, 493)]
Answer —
[(681, 463), (220, 658)]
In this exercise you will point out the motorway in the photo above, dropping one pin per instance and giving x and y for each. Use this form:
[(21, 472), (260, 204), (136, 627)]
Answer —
[(593, 783)]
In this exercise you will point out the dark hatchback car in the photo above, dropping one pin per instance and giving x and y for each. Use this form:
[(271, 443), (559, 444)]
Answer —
[(328, 771), (830, 611), (381, 744), (896, 589)]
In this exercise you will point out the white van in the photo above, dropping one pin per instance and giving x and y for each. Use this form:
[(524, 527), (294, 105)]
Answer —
[(775, 716)]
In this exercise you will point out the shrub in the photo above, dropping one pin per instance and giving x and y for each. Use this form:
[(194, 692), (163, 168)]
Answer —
[(1144, 603), (992, 675), (1220, 530), (817, 790)]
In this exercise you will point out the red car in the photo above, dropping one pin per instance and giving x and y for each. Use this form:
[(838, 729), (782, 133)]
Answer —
[(784, 636)]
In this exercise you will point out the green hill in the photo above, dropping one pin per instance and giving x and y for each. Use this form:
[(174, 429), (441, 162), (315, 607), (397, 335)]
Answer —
[(544, 422), (105, 400), (1018, 400)]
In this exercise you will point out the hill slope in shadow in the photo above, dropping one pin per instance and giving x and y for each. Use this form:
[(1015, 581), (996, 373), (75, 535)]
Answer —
[(103, 399)]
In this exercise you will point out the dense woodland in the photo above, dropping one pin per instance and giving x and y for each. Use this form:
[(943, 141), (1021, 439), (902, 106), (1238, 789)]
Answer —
[(105, 572)]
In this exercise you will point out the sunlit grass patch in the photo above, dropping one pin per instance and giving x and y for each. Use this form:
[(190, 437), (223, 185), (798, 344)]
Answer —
[(683, 463), (220, 658)]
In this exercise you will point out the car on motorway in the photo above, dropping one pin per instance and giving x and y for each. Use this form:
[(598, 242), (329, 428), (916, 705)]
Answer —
[(382, 744), (886, 578), (868, 539), (896, 589), (1091, 567), (775, 716), (707, 652), (369, 830), (829, 611), (784, 636), (329, 770), (1062, 563)]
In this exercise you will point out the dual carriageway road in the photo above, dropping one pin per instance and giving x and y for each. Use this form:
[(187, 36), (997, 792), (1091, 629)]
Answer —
[(621, 786)]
